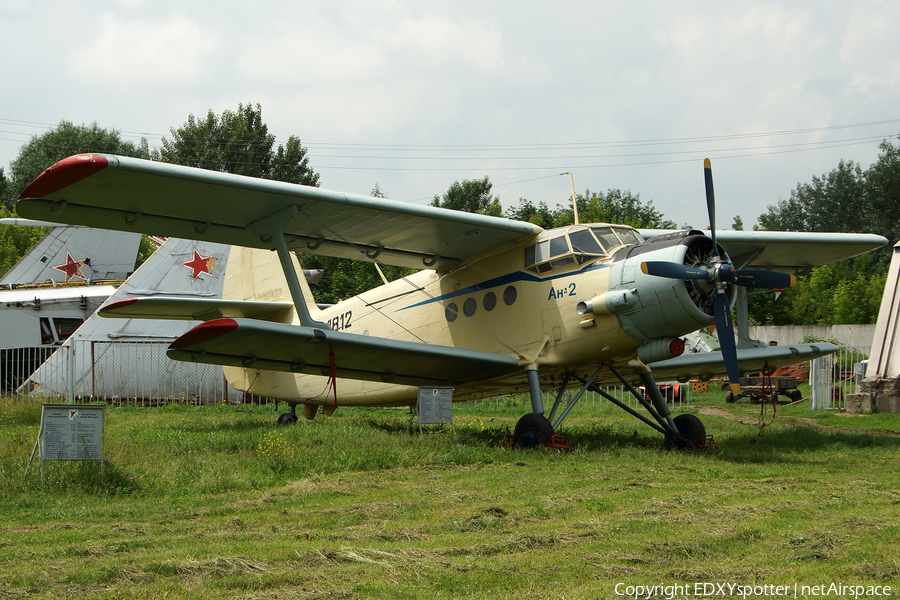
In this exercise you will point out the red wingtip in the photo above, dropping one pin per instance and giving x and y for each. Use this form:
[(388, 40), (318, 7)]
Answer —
[(64, 173), (204, 332)]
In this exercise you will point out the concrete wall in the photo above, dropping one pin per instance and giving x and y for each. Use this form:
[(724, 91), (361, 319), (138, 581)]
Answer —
[(849, 335)]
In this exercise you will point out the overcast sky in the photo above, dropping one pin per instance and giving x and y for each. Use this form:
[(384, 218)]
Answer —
[(415, 95)]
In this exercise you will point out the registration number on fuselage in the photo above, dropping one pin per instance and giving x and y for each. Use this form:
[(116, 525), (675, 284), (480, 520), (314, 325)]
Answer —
[(341, 321)]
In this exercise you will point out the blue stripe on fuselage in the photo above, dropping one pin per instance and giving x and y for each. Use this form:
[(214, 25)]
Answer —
[(507, 279)]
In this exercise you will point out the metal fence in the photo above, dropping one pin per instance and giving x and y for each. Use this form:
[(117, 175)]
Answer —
[(140, 373), (137, 373), (834, 377)]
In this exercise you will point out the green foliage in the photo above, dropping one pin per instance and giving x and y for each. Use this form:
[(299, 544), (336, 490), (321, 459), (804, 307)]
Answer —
[(841, 293), (614, 206), (66, 139), (470, 195), (539, 215), (343, 278), (237, 142), (837, 201), (847, 199), (16, 241)]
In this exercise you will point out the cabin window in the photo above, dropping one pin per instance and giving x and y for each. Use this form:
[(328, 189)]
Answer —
[(469, 307), (451, 312), (490, 301)]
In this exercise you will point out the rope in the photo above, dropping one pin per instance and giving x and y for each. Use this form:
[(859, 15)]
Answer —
[(767, 395)]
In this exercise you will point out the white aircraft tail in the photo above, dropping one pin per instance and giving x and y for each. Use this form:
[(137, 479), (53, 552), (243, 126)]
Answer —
[(125, 358), (71, 254)]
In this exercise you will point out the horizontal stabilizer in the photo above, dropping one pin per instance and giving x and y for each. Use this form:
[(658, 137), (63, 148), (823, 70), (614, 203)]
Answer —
[(296, 349), (750, 360), (193, 309)]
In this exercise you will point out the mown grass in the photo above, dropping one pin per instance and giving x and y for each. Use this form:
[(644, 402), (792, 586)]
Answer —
[(209, 502)]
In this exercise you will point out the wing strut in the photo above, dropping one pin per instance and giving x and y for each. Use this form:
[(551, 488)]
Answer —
[(272, 227)]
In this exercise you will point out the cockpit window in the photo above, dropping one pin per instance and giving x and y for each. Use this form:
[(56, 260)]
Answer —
[(606, 237), (579, 244), (584, 243), (628, 236), (545, 250)]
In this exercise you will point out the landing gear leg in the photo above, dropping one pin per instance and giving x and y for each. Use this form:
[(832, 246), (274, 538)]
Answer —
[(534, 430), (288, 418)]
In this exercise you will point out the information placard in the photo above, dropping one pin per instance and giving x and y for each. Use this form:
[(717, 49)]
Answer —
[(72, 431), (435, 405)]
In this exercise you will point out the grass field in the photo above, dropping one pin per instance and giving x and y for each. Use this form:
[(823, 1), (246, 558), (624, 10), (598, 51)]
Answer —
[(210, 502)]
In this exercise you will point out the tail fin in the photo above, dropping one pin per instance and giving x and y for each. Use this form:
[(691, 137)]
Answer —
[(74, 254), (254, 274)]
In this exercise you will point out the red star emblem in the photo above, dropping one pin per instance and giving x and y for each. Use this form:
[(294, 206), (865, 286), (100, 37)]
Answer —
[(199, 265), (72, 268)]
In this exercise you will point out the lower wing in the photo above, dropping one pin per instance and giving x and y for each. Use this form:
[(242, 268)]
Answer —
[(750, 360), (297, 349)]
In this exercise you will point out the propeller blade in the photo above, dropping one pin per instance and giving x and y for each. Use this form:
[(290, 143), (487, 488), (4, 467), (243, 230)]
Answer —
[(763, 279), (725, 331), (710, 203), (672, 270)]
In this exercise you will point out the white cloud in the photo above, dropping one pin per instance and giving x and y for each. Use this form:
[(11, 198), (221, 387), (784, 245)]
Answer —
[(145, 52)]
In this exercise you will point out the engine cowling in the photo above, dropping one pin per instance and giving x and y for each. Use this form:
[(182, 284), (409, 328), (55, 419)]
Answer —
[(659, 307)]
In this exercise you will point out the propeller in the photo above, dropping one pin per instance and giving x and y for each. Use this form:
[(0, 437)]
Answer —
[(719, 274)]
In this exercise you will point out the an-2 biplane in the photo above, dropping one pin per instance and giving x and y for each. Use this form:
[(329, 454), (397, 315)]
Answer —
[(499, 306)]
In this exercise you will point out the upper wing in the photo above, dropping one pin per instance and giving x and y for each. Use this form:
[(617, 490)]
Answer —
[(750, 360), (129, 194), (788, 251), (296, 349)]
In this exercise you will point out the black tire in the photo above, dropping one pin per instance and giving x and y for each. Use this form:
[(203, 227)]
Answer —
[(287, 418), (533, 431), (795, 395), (729, 397), (692, 432)]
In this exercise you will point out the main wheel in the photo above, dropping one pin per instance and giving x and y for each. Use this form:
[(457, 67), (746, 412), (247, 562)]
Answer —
[(692, 431), (729, 397), (287, 418), (533, 430)]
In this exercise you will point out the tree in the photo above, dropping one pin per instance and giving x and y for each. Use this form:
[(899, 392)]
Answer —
[(470, 195), (616, 206), (883, 187), (539, 215), (835, 202), (4, 186), (15, 241), (847, 199), (41, 151), (237, 142)]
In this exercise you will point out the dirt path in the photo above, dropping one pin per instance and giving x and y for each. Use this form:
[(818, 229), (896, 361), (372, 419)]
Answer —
[(803, 421)]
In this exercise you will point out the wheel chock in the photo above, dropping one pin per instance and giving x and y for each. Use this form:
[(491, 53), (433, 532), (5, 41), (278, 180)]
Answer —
[(560, 443)]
